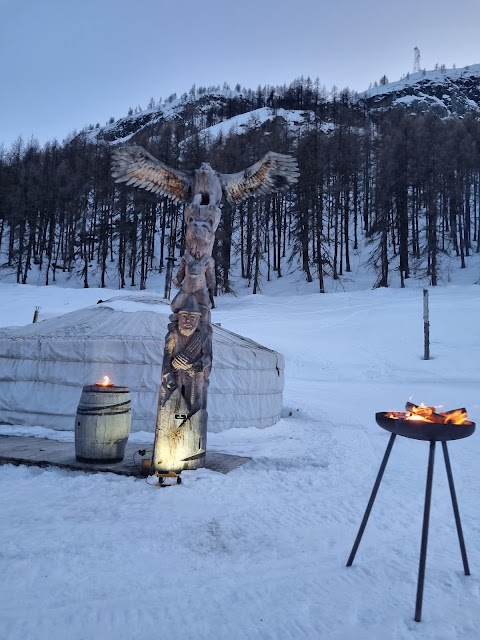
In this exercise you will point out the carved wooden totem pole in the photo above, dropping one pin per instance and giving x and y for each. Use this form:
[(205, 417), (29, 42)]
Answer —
[(181, 431)]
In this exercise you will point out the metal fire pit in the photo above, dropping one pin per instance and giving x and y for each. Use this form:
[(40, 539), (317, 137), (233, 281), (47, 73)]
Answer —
[(433, 432), (421, 430)]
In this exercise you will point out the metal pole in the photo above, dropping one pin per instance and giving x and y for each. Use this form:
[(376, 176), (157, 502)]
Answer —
[(426, 327), (426, 519), (456, 512), (372, 500)]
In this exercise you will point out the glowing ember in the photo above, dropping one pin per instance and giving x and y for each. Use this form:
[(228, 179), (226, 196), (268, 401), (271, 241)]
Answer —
[(105, 382), (423, 413)]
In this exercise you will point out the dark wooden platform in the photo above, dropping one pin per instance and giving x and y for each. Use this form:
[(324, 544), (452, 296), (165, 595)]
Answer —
[(43, 452)]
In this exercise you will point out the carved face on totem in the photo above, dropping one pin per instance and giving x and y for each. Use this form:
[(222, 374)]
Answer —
[(188, 322), (201, 227)]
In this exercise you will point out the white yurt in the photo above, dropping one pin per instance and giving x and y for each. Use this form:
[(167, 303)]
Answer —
[(44, 366)]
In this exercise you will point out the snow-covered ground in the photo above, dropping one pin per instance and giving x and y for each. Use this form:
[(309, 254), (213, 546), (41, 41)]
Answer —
[(261, 552)]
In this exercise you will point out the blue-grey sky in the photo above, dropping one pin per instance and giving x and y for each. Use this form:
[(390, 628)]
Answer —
[(65, 64)]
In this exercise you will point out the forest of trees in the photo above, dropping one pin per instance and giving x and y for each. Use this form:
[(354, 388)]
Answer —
[(407, 185)]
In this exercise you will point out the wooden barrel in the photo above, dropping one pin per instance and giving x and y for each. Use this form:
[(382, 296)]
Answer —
[(102, 424)]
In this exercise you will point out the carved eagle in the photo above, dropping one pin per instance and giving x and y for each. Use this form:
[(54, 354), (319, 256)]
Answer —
[(205, 186)]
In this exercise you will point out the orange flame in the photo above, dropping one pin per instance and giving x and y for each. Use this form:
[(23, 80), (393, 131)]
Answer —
[(457, 416), (420, 413), (105, 382), (429, 414)]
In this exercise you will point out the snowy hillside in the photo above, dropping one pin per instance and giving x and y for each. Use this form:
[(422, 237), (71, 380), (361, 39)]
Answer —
[(449, 92), (295, 120), (193, 108)]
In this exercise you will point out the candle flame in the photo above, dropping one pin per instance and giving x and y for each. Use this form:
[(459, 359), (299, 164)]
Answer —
[(105, 382)]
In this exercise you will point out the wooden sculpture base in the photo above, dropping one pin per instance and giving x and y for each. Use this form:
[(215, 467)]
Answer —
[(180, 442)]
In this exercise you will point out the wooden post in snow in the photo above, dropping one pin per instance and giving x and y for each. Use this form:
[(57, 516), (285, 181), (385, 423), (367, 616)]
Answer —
[(426, 327), (168, 277)]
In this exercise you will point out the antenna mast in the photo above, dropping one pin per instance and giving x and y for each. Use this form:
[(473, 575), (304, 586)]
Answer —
[(416, 60)]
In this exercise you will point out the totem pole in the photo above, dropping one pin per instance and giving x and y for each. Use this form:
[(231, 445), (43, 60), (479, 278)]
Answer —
[(181, 430)]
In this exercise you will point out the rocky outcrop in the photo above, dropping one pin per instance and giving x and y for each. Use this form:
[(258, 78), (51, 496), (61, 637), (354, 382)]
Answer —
[(451, 92)]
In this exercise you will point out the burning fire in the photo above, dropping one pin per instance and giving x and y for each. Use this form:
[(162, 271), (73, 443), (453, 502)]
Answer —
[(423, 413), (105, 382)]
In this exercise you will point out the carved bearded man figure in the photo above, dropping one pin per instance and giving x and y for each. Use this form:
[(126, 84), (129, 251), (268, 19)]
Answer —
[(187, 357)]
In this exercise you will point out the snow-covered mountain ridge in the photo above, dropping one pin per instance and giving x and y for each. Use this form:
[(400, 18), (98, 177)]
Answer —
[(446, 92)]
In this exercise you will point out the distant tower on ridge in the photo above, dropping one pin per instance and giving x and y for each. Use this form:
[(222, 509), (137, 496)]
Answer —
[(416, 60)]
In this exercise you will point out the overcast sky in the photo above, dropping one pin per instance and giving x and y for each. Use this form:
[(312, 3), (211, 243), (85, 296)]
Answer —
[(65, 64)]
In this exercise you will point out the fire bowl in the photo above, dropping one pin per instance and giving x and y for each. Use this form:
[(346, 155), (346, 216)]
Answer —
[(422, 430)]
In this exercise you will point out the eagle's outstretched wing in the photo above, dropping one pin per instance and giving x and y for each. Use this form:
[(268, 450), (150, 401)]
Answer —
[(135, 166), (274, 172)]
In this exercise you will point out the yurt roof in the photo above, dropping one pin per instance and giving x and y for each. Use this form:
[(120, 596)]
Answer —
[(123, 337)]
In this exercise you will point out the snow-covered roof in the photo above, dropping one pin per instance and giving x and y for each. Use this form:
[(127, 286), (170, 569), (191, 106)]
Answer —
[(43, 367)]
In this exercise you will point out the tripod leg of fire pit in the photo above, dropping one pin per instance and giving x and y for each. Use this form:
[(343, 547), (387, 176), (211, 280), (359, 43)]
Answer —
[(456, 512), (372, 500), (426, 520)]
